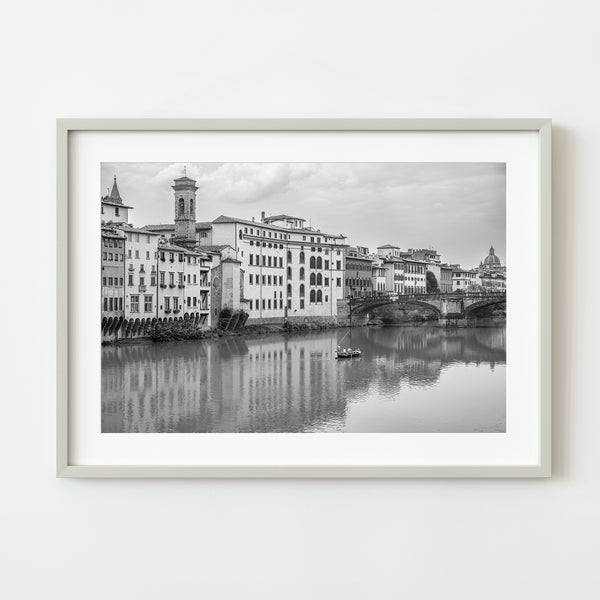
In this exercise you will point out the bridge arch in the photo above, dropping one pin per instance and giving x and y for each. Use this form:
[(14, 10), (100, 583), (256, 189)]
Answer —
[(365, 307), (471, 308)]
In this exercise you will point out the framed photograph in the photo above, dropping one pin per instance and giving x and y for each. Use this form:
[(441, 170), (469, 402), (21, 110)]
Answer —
[(303, 298)]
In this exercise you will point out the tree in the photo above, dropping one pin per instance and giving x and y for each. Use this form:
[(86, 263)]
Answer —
[(432, 283)]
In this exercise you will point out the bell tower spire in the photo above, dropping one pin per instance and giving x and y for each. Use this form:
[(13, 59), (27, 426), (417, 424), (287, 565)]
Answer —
[(185, 210)]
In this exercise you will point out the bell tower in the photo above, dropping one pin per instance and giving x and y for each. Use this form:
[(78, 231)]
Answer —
[(185, 211)]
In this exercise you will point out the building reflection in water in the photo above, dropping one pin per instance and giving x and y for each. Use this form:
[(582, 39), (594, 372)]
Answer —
[(408, 379)]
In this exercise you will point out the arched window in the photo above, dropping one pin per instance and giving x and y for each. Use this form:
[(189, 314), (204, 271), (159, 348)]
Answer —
[(319, 296), (313, 279), (312, 296), (191, 206), (301, 290), (301, 272), (319, 263), (319, 279), (289, 255), (181, 207), (302, 257), (312, 262), (289, 289), (289, 272)]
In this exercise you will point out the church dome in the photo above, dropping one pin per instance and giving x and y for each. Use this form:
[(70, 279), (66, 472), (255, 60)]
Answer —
[(491, 260)]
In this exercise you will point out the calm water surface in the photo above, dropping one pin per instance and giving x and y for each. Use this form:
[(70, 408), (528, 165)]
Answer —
[(409, 379)]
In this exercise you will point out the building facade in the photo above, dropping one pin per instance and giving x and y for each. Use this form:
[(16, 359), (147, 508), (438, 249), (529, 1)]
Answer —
[(113, 272), (446, 279), (290, 271), (359, 272), (463, 278)]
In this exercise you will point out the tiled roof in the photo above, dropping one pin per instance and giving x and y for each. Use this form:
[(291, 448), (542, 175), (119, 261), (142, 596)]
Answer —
[(171, 226), (127, 227), (282, 217), (226, 219)]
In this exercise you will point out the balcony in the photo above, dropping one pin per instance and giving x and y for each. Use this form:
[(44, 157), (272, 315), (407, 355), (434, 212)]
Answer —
[(176, 311), (141, 288), (167, 310), (181, 286), (163, 285), (171, 285)]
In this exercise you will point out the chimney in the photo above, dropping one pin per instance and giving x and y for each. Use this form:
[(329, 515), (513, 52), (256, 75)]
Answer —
[(253, 219), (262, 216)]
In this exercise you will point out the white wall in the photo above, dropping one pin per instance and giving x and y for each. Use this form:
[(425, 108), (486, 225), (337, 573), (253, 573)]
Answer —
[(286, 539)]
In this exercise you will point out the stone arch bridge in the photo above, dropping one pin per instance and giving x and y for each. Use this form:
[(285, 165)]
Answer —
[(450, 308)]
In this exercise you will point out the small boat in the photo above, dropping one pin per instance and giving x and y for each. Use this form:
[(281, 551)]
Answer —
[(347, 353)]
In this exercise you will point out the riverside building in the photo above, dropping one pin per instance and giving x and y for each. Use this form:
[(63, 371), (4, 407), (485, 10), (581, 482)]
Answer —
[(113, 272)]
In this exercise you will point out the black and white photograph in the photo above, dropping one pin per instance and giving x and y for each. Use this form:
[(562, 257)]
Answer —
[(303, 297)]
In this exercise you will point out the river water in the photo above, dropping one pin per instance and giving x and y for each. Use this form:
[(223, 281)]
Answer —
[(408, 379)]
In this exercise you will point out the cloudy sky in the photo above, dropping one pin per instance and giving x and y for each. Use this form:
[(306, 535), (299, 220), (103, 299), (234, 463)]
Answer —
[(457, 208)]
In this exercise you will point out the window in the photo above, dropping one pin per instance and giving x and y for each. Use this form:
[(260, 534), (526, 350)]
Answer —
[(281, 280), (191, 206), (135, 304), (312, 296), (175, 303), (167, 304), (302, 273), (251, 259), (162, 278), (181, 207), (280, 262), (269, 300), (264, 280), (338, 265), (116, 211), (327, 265), (110, 304), (147, 254), (301, 302), (105, 303), (153, 278), (319, 263), (313, 279), (302, 290), (269, 261), (142, 281), (130, 279), (180, 278), (147, 303), (313, 262), (289, 256), (319, 296), (171, 278), (120, 281), (319, 279), (256, 304), (289, 272), (338, 282), (326, 280), (289, 289), (104, 281), (120, 303), (302, 256)]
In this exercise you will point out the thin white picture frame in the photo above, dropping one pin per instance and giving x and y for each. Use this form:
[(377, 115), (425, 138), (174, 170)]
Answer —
[(65, 127)]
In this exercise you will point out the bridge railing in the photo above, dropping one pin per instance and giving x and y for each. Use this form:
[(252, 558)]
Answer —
[(391, 296)]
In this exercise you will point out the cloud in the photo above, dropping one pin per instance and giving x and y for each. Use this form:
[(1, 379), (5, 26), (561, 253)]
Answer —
[(459, 208)]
